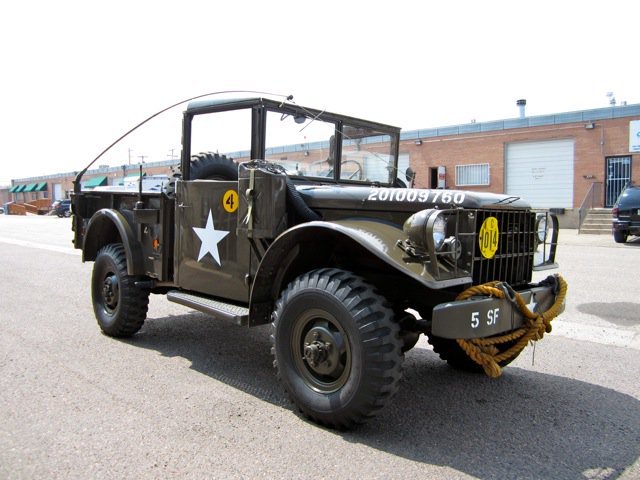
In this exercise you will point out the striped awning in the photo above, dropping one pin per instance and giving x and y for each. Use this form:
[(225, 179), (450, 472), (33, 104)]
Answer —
[(95, 182)]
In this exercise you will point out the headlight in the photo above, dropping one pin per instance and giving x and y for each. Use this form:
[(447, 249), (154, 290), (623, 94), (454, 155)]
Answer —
[(541, 228), (439, 231), (427, 227)]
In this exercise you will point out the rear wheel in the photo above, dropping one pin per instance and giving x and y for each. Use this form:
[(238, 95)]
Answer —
[(336, 347), (619, 236), (119, 305)]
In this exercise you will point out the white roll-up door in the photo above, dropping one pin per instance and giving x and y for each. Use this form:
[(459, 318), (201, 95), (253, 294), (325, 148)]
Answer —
[(541, 172)]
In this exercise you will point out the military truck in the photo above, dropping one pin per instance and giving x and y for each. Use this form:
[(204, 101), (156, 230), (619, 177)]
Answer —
[(310, 221)]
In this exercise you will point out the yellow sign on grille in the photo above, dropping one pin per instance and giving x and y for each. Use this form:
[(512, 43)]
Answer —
[(489, 236)]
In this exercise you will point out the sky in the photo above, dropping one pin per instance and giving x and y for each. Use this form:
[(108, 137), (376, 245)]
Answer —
[(76, 75)]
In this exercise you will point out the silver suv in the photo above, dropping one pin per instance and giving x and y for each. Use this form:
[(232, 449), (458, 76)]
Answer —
[(62, 208)]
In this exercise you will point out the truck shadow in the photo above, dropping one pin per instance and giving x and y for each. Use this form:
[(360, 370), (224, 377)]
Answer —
[(523, 425)]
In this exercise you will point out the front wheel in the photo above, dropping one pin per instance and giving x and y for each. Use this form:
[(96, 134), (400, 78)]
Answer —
[(119, 304), (336, 347), (449, 351)]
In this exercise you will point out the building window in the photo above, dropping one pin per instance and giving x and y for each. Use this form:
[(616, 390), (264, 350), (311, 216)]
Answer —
[(475, 174)]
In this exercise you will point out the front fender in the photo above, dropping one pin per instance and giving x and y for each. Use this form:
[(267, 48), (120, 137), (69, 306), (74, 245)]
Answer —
[(362, 237), (381, 239), (110, 226)]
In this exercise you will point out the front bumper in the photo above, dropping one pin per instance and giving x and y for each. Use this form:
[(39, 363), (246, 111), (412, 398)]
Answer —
[(484, 316)]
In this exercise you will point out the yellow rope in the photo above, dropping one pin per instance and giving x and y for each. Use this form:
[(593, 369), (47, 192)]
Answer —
[(483, 350)]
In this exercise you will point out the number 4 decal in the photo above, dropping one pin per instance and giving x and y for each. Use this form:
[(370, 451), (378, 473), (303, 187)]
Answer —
[(230, 201)]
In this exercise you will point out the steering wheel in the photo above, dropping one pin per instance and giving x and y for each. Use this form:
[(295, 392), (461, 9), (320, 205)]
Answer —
[(357, 175)]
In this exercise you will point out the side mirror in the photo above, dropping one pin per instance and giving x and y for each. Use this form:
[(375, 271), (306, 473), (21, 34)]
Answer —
[(410, 175)]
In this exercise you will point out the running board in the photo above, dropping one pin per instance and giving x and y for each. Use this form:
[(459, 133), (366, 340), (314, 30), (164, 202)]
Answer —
[(215, 308)]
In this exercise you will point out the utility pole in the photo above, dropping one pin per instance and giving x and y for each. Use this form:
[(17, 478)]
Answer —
[(142, 157)]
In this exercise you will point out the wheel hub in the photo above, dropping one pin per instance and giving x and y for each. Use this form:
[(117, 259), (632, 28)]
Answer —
[(320, 352), (110, 291)]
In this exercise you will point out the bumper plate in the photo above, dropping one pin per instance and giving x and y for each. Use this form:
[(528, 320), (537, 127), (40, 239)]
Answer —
[(480, 317)]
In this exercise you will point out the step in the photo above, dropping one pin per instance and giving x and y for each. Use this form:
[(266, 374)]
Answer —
[(217, 309), (599, 216), (595, 223)]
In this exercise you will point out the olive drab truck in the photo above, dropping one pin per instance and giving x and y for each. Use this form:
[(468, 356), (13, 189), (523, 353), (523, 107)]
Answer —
[(310, 221)]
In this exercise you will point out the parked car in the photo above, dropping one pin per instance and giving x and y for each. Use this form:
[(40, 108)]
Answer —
[(626, 214), (62, 208)]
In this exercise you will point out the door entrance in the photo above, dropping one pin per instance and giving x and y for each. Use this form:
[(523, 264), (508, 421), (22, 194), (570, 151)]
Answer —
[(617, 174)]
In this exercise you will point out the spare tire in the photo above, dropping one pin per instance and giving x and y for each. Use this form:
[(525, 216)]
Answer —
[(213, 166)]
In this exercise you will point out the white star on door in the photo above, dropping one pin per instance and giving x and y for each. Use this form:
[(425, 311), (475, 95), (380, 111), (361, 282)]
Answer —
[(210, 237)]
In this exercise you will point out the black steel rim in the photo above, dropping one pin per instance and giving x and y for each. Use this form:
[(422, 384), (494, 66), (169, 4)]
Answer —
[(110, 292), (321, 351)]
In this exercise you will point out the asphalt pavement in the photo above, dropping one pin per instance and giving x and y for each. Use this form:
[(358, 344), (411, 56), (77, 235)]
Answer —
[(192, 397)]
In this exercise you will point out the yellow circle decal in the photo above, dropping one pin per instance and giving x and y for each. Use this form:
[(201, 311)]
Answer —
[(230, 201), (489, 235)]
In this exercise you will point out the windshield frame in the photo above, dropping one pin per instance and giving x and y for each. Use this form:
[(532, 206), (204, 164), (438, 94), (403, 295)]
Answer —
[(345, 130)]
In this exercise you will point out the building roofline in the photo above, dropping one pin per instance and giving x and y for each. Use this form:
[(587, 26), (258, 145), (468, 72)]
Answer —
[(585, 116)]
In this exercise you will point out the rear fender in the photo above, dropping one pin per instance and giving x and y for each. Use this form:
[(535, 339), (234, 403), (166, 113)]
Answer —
[(110, 226)]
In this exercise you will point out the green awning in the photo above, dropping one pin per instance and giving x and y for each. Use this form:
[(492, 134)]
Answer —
[(31, 187), (20, 189), (41, 187), (14, 189), (95, 182)]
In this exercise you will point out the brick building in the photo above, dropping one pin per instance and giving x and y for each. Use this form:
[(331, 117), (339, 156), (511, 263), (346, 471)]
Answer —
[(554, 161), (569, 162), (562, 161)]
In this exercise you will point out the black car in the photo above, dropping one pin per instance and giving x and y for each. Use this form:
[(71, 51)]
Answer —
[(626, 214), (62, 208)]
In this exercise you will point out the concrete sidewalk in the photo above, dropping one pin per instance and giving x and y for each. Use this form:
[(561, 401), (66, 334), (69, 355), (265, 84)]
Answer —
[(569, 236)]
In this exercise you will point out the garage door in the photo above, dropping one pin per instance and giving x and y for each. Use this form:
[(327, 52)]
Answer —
[(541, 172)]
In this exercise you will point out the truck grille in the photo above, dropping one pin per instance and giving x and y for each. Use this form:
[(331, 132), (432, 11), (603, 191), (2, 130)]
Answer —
[(513, 260)]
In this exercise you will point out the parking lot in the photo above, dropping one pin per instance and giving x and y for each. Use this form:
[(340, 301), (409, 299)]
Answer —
[(192, 397)]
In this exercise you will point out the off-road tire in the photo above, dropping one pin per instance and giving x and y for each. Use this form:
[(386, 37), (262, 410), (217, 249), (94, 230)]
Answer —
[(213, 166), (619, 236), (362, 370), (119, 305), (449, 351)]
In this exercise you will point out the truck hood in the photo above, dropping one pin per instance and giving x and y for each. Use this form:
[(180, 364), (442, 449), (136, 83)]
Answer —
[(371, 198)]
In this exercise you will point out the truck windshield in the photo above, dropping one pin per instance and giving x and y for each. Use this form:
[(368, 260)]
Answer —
[(306, 146)]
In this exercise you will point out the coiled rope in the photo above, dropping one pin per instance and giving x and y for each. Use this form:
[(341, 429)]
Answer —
[(484, 352)]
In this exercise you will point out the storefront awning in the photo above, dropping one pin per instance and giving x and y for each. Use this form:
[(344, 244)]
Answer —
[(20, 189), (41, 187), (14, 189), (95, 182), (30, 187)]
